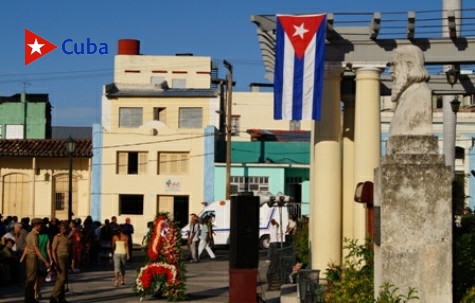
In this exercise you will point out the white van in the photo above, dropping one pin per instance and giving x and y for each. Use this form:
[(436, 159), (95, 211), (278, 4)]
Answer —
[(222, 221)]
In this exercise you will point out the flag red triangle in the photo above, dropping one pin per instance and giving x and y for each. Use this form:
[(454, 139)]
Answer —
[(308, 23), (36, 46)]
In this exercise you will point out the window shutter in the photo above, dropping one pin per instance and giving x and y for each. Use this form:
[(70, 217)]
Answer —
[(173, 164), (163, 164), (184, 161), (143, 163), (190, 117), (122, 163)]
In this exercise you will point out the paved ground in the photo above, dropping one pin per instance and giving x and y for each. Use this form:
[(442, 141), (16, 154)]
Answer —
[(207, 281)]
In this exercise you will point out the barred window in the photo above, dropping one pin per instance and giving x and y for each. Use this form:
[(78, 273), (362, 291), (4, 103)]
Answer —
[(240, 184)]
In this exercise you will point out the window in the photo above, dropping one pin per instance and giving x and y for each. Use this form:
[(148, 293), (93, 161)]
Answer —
[(235, 119), (130, 204), (157, 80), (179, 83), (294, 125), (130, 117), (190, 117), (132, 163), (61, 195), (173, 163), (239, 184), (159, 114), (16, 194), (13, 131), (59, 201)]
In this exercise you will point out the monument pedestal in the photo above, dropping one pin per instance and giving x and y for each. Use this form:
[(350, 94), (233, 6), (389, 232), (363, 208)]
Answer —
[(413, 219)]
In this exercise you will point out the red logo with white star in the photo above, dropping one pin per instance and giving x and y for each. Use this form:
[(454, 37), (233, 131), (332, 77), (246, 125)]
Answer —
[(36, 47)]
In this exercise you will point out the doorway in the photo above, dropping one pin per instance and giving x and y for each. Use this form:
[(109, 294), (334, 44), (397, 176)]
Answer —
[(177, 206)]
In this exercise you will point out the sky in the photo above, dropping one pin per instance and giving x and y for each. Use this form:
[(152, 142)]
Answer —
[(219, 29)]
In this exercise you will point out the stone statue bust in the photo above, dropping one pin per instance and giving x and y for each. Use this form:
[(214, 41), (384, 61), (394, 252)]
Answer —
[(413, 114)]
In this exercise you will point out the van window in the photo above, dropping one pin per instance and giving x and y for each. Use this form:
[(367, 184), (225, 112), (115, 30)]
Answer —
[(207, 213)]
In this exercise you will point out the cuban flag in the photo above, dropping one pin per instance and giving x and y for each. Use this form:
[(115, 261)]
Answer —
[(299, 66)]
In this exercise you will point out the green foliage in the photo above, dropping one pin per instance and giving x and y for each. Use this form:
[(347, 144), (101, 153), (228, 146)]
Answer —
[(353, 282), (469, 296), (464, 258), (458, 194), (300, 243), (387, 294)]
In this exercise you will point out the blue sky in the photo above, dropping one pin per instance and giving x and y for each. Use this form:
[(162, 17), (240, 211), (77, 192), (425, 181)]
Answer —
[(219, 29)]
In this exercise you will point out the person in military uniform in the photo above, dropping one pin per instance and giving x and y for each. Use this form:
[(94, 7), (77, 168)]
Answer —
[(60, 254), (31, 255)]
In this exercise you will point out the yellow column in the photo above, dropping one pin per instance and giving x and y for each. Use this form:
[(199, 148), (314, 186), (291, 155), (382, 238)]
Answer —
[(367, 138), (348, 139), (325, 170)]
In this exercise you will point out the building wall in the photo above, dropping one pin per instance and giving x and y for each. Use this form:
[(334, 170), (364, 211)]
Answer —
[(256, 110), (40, 174), (153, 136), (112, 107), (140, 69), (36, 118), (150, 184), (277, 175)]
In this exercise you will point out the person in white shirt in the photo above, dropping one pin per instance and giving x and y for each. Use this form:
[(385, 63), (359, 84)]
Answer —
[(292, 226), (273, 239), (205, 236), (193, 237)]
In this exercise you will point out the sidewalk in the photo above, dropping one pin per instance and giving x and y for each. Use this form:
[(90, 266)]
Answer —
[(207, 281)]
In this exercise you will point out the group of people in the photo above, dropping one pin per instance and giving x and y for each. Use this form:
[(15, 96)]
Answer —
[(200, 236), (275, 238), (31, 251)]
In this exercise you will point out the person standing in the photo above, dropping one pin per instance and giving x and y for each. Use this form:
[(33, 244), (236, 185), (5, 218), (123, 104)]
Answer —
[(129, 230), (205, 238), (18, 235), (77, 247), (60, 254), (45, 249), (273, 239), (193, 237), (209, 223), (32, 254), (120, 247), (291, 229)]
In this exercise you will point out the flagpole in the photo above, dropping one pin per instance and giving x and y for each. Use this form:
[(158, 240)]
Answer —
[(229, 67)]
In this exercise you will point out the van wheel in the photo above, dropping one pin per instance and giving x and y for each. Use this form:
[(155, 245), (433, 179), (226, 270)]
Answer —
[(264, 242)]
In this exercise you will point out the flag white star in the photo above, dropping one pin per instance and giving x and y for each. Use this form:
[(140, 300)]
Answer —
[(36, 47), (300, 31)]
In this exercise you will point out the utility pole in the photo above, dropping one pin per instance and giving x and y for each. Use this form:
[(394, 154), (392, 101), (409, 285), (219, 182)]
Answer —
[(229, 85)]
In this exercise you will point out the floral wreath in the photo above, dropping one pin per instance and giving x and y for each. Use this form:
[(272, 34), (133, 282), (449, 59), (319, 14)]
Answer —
[(164, 269)]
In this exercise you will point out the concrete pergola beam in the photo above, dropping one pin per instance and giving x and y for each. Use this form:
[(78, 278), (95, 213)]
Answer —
[(354, 46)]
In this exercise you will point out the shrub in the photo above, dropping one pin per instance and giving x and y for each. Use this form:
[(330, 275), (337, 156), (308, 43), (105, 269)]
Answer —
[(353, 282), (300, 243)]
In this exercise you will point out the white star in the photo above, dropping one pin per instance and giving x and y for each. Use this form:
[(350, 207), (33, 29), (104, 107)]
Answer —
[(300, 31), (36, 47)]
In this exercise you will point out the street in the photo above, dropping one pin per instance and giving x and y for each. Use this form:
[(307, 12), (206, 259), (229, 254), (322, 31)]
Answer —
[(207, 281)]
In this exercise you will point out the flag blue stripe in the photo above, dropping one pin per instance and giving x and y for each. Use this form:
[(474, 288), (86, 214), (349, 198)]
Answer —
[(279, 71), (297, 100), (319, 71)]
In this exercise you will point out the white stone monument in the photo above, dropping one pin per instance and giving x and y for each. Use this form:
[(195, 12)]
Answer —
[(412, 198)]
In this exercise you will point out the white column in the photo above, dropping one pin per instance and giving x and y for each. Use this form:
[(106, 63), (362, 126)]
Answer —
[(325, 170), (367, 138)]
